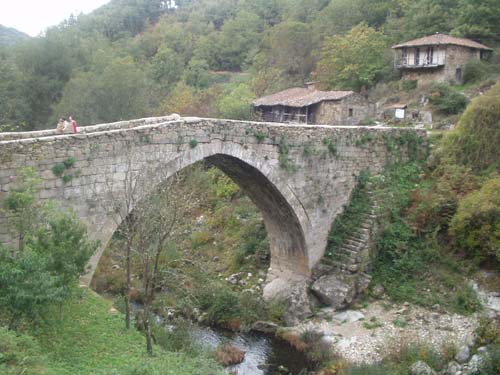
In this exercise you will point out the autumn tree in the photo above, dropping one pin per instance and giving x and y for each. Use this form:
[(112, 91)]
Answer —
[(353, 61)]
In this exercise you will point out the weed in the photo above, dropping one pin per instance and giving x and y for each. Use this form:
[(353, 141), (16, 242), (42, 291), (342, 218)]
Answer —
[(401, 323), (260, 136), (193, 143), (331, 146), (373, 323), (284, 160), (58, 169)]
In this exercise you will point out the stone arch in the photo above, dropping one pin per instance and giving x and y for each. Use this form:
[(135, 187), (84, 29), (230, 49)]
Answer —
[(284, 217)]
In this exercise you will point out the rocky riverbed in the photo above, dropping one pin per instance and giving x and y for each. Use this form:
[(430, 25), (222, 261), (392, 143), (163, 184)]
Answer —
[(366, 335)]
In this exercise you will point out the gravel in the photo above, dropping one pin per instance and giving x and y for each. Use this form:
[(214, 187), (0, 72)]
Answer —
[(399, 324)]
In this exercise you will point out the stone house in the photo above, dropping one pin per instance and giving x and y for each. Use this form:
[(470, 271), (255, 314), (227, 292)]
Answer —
[(311, 106), (437, 57)]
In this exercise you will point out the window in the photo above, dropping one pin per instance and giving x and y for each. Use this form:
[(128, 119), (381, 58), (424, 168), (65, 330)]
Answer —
[(430, 55), (417, 56), (351, 112)]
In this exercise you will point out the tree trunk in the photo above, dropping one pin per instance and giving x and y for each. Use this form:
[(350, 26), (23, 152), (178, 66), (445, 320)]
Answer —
[(147, 330), (127, 291)]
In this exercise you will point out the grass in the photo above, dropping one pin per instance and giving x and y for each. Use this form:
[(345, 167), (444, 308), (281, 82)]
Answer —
[(91, 340)]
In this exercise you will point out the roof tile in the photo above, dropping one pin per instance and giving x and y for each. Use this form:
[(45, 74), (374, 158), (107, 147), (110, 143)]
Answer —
[(438, 39), (300, 97)]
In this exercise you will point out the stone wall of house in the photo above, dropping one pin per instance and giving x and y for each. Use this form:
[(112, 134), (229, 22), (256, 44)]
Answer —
[(337, 112), (292, 173), (456, 58)]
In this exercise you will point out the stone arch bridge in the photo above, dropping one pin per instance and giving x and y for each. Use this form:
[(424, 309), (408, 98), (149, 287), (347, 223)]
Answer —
[(299, 177)]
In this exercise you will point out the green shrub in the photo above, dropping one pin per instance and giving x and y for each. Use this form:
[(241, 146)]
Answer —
[(193, 143), (474, 142), (488, 332), (475, 71), (69, 162), (409, 85), (476, 224), (447, 101), (220, 303), (466, 300), (58, 169), (492, 363)]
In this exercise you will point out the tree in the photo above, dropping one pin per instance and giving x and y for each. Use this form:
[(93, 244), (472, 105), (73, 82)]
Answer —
[(476, 224), (478, 19), (354, 61), (237, 39), (53, 252), (24, 211), (197, 74), (235, 103), (167, 67), (471, 142), (118, 90), (146, 217), (288, 48)]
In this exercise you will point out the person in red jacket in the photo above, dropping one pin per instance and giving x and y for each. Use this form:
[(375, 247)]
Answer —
[(74, 124)]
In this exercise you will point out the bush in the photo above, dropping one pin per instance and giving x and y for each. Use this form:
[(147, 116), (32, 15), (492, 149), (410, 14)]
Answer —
[(492, 363), (476, 225), (221, 304), (475, 71), (472, 142), (447, 101)]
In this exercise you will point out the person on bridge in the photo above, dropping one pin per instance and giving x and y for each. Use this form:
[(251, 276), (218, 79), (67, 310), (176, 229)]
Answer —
[(73, 124), (61, 125)]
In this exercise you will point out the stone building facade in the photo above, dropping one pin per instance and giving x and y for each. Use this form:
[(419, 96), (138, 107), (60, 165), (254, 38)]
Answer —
[(311, 106), (437, 58)]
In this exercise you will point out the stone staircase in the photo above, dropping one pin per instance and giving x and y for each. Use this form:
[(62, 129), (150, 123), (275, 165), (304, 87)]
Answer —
[(352, 261)]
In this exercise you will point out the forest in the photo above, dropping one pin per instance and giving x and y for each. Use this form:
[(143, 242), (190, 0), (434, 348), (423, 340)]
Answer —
[(136, 58)]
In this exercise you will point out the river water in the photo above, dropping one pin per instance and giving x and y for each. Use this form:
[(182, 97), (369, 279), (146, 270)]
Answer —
[(264, 354)]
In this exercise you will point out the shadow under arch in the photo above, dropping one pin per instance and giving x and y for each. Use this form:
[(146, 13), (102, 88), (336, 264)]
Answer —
[(286, 237)]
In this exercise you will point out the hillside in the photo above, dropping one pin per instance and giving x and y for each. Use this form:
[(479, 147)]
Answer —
[(10, 36), (132, 58)]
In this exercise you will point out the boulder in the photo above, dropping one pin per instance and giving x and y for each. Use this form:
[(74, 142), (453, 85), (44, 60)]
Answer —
[(336, 290), (452, 368), (475, 365), (297, 301), (421, 368), (463, 354)]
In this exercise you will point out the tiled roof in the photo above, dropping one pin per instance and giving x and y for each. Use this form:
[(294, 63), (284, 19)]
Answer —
[(300, 97), (438, 39)]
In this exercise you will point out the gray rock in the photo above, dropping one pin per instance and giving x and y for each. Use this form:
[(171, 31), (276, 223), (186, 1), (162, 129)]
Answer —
[(421, 368), (452, 368), (378, 291), (426, 117), (463, 354), (475, 364), (482, 350), (470, 340), (348, 316), (337, 290), (298, 307)]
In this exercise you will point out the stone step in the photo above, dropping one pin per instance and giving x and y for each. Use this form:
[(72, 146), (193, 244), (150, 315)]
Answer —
[(355, 242), (352, 268), (353, 248)]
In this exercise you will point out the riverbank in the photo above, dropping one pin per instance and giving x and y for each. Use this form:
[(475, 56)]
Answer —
[(90, 338)]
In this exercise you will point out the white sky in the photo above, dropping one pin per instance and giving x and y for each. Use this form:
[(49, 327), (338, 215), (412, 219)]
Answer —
[(35, 16)]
